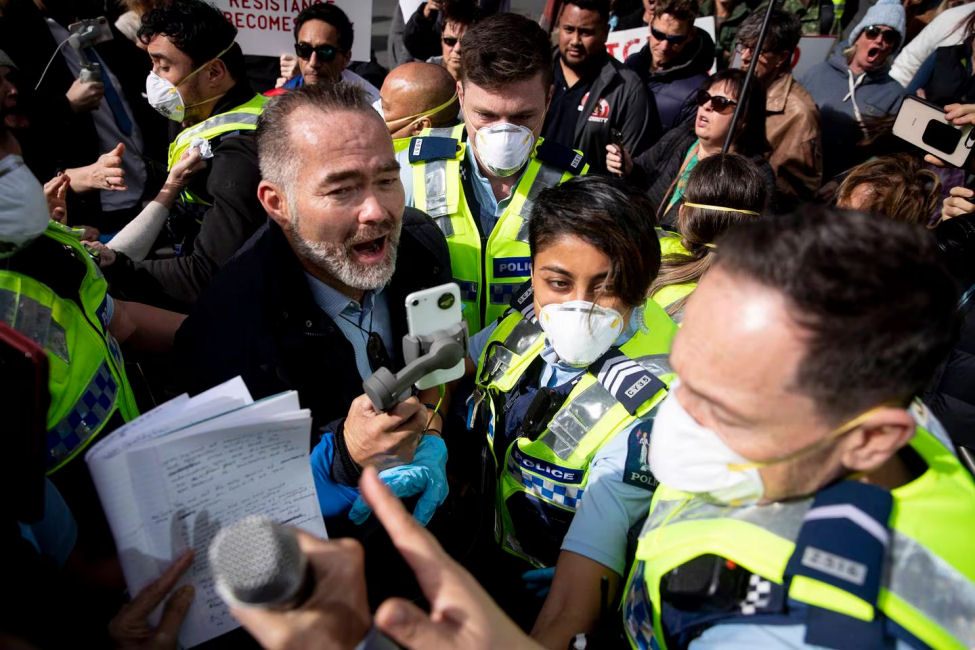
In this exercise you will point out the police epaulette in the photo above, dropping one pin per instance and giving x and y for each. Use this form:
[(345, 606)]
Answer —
[(431, 147), (553, 153), (626, 380)]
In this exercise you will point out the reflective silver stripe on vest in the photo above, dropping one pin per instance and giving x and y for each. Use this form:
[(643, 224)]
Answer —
[(447, 228), (657, 364), (933, 587), (915, 575), (35, 321), (87, 417), (442, 132), (522, 336), (782, 519), (547, 176), (577, 418), (435, 188), (216, 120)]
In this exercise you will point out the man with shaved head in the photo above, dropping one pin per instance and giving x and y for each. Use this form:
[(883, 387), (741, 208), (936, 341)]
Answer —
[(417, 96)]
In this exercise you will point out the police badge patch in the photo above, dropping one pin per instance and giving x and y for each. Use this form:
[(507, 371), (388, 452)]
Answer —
[(637, 468)]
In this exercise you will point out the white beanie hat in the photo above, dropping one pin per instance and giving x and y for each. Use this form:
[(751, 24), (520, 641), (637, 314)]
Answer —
[(889, 13)]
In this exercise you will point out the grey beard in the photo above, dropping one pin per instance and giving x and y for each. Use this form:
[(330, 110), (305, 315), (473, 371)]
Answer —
[(336, 260)]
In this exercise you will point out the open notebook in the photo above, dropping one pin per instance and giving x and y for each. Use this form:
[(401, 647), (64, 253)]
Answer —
[(171, 478)]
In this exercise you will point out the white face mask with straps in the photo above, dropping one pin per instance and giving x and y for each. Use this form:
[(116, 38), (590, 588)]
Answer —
[(503, 148), (164, 96), (579, 331)]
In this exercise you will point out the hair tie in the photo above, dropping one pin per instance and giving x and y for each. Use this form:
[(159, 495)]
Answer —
[(720, 208)]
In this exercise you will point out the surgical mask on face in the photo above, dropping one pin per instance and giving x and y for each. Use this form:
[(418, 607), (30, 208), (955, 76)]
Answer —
[(23, 206), (579, 331), (503, 148), (165, 97), (687, 456)]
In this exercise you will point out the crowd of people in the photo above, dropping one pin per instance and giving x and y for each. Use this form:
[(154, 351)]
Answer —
[(718, 390)]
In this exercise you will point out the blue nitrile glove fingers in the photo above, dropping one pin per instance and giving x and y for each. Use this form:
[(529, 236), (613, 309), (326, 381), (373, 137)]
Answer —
[(432, 454), (538, 581), (403, 481), (427, 474)]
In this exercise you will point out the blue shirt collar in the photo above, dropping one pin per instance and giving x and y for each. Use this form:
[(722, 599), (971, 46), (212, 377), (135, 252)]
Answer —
[(333, 302)]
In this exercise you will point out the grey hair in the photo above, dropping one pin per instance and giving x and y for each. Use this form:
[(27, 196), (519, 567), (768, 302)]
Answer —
[(275, 151)]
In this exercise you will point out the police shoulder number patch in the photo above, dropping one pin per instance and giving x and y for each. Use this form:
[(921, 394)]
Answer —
[(636, 471)]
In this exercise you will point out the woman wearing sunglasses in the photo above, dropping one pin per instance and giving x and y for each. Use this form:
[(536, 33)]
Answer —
[(566, 382), (663, 170)]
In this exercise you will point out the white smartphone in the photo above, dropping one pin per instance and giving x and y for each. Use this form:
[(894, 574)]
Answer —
[(431, 310), (924, 125)]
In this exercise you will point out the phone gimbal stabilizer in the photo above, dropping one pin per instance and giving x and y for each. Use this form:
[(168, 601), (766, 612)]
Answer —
[(423, 354)]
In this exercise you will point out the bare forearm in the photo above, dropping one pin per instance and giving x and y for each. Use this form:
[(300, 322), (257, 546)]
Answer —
[(576, 600), (145, 328)]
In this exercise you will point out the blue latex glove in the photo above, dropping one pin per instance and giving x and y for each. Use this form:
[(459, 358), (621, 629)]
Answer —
[(538, 581), (427, 474)]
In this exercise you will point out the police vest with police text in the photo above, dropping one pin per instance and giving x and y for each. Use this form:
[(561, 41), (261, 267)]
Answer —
[(859, 566), (542, 480), (240, 118), (487, 270), (87, 378)]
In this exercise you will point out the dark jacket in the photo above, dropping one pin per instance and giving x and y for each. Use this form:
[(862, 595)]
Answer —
[(229, 183), (656, 169), (672, 87), (259, 320), (616, 100), (421, 35)]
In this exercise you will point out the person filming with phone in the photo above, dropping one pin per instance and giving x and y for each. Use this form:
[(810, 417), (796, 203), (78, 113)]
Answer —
[(311, 302)]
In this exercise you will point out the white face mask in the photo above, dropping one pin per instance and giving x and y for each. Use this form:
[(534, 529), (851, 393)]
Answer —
[(503, 148), (23, 206), (686, 456), (580, 332), (165, 97)]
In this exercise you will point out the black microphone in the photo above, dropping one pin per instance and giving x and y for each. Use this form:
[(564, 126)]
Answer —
[(258, 563)]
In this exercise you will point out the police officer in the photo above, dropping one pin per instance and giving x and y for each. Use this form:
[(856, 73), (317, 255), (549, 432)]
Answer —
[(480, 191), (804, 498), (566, 382), (52, 292)]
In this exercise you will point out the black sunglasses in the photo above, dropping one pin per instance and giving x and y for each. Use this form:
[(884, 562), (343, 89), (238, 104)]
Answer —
[(718, 103), (326, 53), (890, 36), (675, 39), (450, 41)]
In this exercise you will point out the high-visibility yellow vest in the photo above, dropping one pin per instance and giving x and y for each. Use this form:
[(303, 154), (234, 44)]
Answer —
[(610, 397), (87, 378), (239, 118), (666, 296), (927, 585), (487, 270)]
